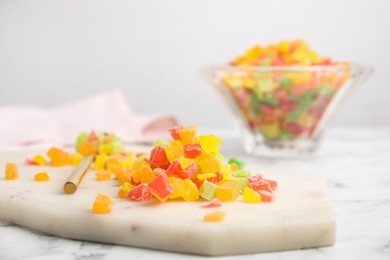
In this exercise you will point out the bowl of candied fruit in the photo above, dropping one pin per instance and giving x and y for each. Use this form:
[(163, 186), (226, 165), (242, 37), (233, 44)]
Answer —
[(284, 96)]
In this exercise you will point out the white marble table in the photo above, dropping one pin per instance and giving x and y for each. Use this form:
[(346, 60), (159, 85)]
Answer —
[(354, 162)]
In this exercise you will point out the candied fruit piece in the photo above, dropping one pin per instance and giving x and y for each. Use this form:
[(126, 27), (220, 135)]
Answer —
[(59, 157), (174, 131), (187, 134), (203, 176), (140, 193), (192, 150), (213, 204), (217, 216), (77, 158), (266, 196), (190, 192), (185, 162), (41, 176), (100, 161), (174, 150), (11, 171), (147, 174), (208, 163), (158, 158), (227, 191), (123, 175), (251, 196), (124, 189), (160, 143), (210, 143), (178, 187), (240, 164), (87, 148), (39, 160), (103, 204), (103, 175), (161, 187), (260, 185), (208, 190)]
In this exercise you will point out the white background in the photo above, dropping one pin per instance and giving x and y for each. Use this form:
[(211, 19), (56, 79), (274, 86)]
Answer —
[(52, 52)]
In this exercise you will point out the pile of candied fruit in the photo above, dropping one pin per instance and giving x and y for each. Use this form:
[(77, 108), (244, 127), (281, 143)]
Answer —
[(189, 168)]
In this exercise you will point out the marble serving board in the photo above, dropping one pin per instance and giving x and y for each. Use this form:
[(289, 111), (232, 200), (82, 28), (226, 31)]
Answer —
[(300, 217)]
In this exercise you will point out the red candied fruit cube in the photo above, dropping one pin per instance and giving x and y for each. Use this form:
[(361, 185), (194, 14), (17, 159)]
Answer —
[(174, 131), (192, 150), (161, 186), (93, 137), (260, 185), (255, 178), (140, 193), (175, 170), (158, 158), (272, 183), (266, 196)]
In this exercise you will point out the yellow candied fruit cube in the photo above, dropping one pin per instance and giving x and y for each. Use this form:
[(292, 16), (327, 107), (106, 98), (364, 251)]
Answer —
[(178, 187), (203, 176), (227, 191), (77, 158), (271, 130), (124, 189), (226, 170), (103, 204), (208, 163), (217, 216), (185, 162), (174, 150), (11, 171), (251, 196), (100, 161), (283, 47), (210, 143), (249, 82), (41, 176), (139, 163), (40, 160), (190, 191), (103, 175), (106, 148)]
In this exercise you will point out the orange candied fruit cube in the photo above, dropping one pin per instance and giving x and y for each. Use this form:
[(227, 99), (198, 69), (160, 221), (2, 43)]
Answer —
[(41, 176), (103, 204), (59, 157), (87, 148), (11, 171), (216, 216), (103, 175)]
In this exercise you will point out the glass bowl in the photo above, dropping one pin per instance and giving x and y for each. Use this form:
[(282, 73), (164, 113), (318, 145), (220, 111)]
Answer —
[(284, 111)]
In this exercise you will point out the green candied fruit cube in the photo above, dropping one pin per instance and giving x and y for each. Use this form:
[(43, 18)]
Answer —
[(81, 138), (264, 84), (240, 164), (160, 143), (208, 190), (242, 173), (285, 82), (117, 146), (270, 99), (305, 103), (241, 182), (324, 90)]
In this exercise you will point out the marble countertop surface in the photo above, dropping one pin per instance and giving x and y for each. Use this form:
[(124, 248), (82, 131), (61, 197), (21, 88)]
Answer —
[(355, 164)]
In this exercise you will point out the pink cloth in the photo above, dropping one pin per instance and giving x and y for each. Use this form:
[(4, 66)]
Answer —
[(33, 127)]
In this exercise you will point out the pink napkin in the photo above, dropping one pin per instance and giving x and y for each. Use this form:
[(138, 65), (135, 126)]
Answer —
[(33, 127)]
